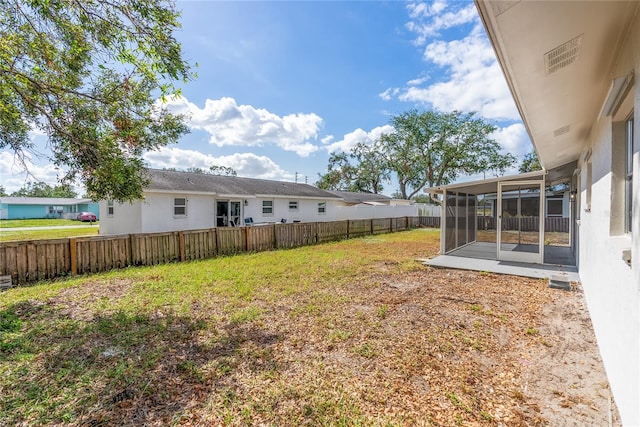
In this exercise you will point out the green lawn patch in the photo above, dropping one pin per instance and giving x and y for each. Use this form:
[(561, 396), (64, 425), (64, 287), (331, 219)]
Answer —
[(8, 235), (53, 222)]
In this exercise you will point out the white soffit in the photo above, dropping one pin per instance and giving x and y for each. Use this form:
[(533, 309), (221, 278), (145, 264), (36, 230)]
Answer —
[(558, 58)]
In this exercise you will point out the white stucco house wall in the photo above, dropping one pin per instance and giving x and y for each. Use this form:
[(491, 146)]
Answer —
[(573, 69), (176, 201)]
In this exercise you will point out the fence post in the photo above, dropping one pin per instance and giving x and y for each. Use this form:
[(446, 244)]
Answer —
[(132, 260), (247, 238), (275, 237), (181, 245), (73, 256)]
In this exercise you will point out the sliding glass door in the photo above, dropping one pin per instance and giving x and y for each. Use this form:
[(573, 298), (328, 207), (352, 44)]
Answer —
[(520, 228)]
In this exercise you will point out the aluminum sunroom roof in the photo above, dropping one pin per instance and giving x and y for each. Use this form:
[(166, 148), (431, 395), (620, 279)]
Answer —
[(484, 186)]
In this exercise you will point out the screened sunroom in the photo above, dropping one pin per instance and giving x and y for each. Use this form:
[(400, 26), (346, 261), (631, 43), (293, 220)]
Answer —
[(509, 218)]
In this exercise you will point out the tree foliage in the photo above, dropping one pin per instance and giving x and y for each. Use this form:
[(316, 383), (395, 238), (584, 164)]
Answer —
[(530, 163), (425, 149), (3, 192), (213, 170), (88, 74), (42, 189), (361, 170), (434, 148), (222, 170)]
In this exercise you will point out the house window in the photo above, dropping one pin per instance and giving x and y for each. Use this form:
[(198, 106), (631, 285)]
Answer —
[(267, 207), (554, 207), (180, 206), (628, 173), (293, 205), (109, 207), (322, 208), (57, 210)]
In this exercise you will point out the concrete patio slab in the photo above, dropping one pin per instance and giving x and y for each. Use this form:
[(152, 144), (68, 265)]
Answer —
[(540, 271)]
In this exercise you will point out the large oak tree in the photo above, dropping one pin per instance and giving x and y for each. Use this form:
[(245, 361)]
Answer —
[(362, 169), (88, 74), (425, 149), (434, 148)]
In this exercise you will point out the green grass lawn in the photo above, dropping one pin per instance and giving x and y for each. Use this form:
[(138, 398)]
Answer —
[(348, 333), (54, 222), (8, 235)]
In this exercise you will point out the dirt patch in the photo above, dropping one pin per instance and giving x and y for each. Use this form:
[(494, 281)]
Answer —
[(568, 378), (81, 302)]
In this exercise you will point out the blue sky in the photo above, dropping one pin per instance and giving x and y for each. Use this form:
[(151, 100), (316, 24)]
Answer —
[(283, 84)]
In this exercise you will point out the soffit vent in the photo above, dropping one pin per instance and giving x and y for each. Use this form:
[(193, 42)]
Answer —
[(561, 131), (563, 55)]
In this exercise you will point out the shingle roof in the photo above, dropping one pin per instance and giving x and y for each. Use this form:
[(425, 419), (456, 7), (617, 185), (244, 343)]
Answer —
[(58, 201), (355, 197), (164, 180)]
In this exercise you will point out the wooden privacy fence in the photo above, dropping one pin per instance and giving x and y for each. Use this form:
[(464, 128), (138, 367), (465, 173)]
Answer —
[(30, 261), (527, 224), (557, 224)]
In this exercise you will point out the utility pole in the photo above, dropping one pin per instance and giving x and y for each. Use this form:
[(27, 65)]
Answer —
[(296, 177)]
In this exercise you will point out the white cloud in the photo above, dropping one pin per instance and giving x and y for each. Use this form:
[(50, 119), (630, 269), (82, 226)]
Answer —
[(513, 139), (13, 174), (247, 126), (388, 94), (327, 139), (474, 79), (351, 139), (429, 18), (417, 81), (245, 164)]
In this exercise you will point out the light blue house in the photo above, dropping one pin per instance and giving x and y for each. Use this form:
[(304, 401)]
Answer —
[(44, 207)]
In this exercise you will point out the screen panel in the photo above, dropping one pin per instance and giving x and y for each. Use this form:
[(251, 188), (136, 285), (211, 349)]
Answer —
[(450, 226)]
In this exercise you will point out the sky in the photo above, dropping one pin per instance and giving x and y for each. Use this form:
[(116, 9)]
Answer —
[(282, 84)]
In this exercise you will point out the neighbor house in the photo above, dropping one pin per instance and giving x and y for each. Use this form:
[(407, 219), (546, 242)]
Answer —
[(176, 201), (572, 68), (187, 201), (44, 207)]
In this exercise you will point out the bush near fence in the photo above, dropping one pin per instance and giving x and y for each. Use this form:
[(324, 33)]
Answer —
[(30, 261)]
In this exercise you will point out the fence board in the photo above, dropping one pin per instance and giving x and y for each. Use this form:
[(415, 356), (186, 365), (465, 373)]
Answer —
[(231, 240), (332, 231), (260, 238), (381, 225), (200, 244), (32, 264), (295, 235), (551, 224), (432, 221), (359, 227)]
